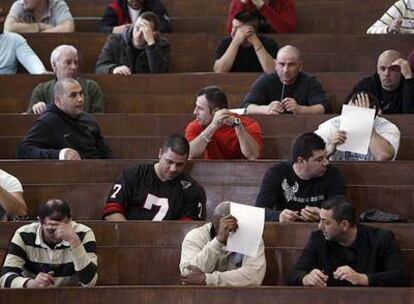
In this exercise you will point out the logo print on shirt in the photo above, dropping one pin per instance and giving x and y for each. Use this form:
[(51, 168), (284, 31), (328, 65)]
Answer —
[(289, 191), (185, 184)]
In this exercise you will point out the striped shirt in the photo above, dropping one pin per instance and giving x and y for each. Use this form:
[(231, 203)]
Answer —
[(28, 255), (402, 9)]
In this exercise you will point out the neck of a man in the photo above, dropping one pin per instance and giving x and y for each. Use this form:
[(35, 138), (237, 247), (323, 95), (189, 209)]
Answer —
[(300, 172), (39, 10), (158, 172), (349, 236)]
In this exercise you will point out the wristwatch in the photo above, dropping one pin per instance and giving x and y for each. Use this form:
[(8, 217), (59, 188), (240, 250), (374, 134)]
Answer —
[(236, 122)]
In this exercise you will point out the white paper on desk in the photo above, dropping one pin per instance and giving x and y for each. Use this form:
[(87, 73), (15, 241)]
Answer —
[(246, 239), (238, 111), (357, 122)]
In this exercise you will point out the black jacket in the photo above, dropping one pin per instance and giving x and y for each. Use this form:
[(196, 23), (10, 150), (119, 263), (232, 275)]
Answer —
[(399, 101), (374, 252), (118, 50), (55, 130), (116, 13)]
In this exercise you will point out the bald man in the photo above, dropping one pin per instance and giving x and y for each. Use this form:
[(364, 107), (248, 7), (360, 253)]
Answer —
[(288, 90), (392, 84), (206, 261)]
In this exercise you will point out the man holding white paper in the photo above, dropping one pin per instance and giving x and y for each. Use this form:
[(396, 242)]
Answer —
[(360, 135), (206, 260)]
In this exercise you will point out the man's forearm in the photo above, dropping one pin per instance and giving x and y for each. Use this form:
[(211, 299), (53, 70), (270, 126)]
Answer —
[(257, 109), (12, 25), (249, 147), (225, 63), (66, 27), (12, 203), (380, 148)]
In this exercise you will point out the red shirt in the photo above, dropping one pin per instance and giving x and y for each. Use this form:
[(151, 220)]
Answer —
[(280, 14), (224, 143)]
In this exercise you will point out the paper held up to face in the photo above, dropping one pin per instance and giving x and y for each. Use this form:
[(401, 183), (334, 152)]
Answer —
[(247, 238), (357, 122)]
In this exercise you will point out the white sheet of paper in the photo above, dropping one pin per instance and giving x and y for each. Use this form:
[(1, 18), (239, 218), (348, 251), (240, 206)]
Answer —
[(247, 238), (238, 111), (357, 122)]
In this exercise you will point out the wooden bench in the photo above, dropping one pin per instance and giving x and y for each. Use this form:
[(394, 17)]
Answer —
[(144, 147), (164, 93), (86, 184), (343, 16), (167, 124), (203, 295), (196, 52), (142, 246)]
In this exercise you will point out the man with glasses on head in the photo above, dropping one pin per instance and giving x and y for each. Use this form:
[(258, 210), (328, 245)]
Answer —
[(392, 84)]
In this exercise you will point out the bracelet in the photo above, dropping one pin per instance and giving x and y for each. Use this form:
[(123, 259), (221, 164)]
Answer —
[(259, 48), (205, 138)]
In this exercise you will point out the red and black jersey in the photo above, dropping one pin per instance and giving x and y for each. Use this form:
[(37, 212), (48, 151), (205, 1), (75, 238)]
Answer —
[(139, 194)]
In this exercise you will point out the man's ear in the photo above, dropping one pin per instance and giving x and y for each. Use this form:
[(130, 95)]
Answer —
[(300, 65), (159, 153), (345, 225), (300, 160)]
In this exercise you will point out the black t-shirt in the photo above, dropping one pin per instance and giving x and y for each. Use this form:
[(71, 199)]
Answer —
[(246, 59), (306, 90), (140, 195), (282, 189)]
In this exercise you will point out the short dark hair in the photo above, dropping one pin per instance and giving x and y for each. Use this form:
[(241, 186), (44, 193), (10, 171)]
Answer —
[(151, 17), (55, 209), (247, 17), (305, 144), (373, 101), (342, 209), (215, 97), (177, 143)]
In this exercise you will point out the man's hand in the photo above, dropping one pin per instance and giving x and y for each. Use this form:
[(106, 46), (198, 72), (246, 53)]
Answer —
[(64, 231), (147, 32), (122, 70), (290, 105), (395, 26), (228, 224), (42, 280), (338, 138), (361, 100), (348, 274), (221, 117), (39, 107), (405, 67), (288, 216), (120, 28), (195, 277), (315, 278), (310, 214), (71, 154), (44, 26), (275, 108), (243, 33)]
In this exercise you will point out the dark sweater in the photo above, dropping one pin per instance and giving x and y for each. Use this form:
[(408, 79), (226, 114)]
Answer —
[(374, 253)]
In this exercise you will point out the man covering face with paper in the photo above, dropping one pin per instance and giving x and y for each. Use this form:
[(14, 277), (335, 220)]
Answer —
[(229, 251), (359, 133)]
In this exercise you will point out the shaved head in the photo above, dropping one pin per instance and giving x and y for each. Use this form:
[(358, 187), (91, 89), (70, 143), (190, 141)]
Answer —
[(290, 50), (288, 64), (389, 73)]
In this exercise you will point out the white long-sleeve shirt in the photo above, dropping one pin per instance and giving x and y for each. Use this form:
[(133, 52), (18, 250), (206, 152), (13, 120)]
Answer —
[(14, 47), (221, 267)]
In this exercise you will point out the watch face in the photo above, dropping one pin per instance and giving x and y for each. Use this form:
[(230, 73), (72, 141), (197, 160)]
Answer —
[(237, 121)]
